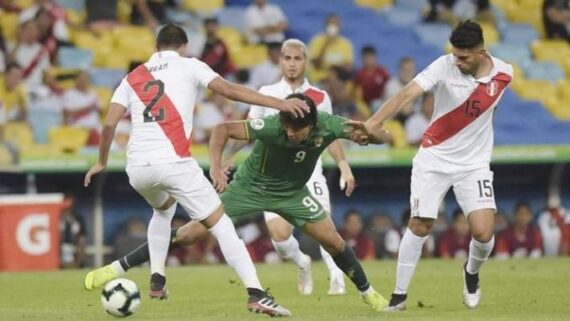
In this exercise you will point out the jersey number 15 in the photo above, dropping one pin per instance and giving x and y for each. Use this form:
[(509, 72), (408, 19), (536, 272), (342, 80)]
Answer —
[(147, 113)]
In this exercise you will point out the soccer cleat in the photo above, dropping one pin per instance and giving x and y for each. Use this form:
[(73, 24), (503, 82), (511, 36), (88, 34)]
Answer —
[(305, 284), (158, 287), (471, 290), (397, 303), (98, 277), (263, 302), (337, 286), (375, 300)]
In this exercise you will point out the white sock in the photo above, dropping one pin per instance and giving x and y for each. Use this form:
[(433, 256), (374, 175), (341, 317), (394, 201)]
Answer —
[(408, 257), (478, 254), (158, 235), (289, 250), (117, 267), (334, 271), (235, 253)]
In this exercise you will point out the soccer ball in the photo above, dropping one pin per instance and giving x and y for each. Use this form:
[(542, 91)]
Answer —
[(121, 297)]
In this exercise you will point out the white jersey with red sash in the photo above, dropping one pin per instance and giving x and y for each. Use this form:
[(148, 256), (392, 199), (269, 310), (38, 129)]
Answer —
[(161, 95), (460, 134)]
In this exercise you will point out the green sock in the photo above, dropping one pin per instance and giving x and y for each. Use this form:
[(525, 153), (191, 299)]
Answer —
[(348, 263)]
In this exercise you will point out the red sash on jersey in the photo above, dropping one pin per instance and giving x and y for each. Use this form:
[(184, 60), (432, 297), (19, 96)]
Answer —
[(172, 125), (481, 100)]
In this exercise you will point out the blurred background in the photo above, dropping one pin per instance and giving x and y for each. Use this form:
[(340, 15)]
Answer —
[(60, 61)]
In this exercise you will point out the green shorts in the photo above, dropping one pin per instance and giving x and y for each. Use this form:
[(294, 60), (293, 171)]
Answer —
[(298, 208)]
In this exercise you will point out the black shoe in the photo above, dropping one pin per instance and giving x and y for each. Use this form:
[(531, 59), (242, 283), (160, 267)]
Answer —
[(397, 303), (158, 287), (471, 281), (262, 302)]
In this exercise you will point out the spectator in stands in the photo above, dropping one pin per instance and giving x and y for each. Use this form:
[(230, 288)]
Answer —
[(268, 72), (453, 11), (353, 233), (394, 237), (417, 124), (264, 22), (29, 53), (13, 94), (3, 51), (406, 72), (329, 49), (556, 18), (211, 112), (10, 6), (101, 14), (380, 224), (215, 53), (339, 87), (73, 238), (551, 223), (521, 239), (454, 243), (370, 80), (52, 34), (131, 236), (150, 12), (81, 108), (56, 11), (501, 223)]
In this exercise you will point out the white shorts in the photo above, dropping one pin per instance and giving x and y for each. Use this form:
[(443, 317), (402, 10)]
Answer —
[(317, 184), (185, 181), (473, 190)]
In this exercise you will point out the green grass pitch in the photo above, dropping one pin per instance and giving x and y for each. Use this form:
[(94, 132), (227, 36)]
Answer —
[(512, 290)]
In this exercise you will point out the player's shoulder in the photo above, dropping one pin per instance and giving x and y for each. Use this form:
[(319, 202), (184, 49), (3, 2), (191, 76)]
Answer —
[(503, 66)]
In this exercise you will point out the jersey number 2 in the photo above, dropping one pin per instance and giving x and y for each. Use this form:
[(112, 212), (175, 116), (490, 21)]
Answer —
[(147, 113)]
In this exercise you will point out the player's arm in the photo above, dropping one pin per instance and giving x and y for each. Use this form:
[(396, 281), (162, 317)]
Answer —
[(346, 178), (394, 104), (220, 134), (252, 97), (116, 112)]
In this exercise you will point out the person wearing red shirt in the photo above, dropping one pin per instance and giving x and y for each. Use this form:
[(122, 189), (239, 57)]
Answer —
[(353, 233), (521, 239), (371, 79), (215, 53), (454, 243)]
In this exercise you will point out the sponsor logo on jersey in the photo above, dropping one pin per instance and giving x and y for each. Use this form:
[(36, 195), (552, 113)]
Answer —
[(492, 88), (257, 124)]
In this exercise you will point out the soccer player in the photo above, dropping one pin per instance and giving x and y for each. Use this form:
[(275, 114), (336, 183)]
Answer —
[(455, 152), (160, 95), (274, 178), (293, 62)]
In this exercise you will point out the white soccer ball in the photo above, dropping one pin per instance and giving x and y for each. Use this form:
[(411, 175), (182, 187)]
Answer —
[(121, 297)]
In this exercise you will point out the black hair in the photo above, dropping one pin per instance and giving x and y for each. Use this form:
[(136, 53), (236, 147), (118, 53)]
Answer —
[(171, 36), (521, 204), (352, 212), (341, 73), (404, 60), (211, 20), (467, 35), (456, 214), (368, 50), (309, 119), (274, 45)]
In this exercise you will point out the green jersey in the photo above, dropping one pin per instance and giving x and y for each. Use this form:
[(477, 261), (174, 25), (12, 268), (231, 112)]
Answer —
[(279, 167)]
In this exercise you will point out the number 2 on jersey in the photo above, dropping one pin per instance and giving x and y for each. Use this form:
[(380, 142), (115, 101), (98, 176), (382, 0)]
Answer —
[(147, 113)]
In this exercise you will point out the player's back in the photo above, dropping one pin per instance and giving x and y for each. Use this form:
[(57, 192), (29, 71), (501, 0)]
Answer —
[(161, 95)]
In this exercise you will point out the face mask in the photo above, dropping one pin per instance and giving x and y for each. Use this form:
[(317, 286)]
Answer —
[(332, 30)]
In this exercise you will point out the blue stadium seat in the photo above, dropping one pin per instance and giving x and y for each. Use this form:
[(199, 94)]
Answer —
[(543, 71), (511, 52), (109, 78), (76, 5), (435, 34), (42, 118), (74, 58), (417, 5), (522, 34), (402, 16), (232, 17)]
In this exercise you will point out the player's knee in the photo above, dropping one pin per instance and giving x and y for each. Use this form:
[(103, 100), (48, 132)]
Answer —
[(483, 236), (184, 236), (334, 246), (279, 232), (420, 226)]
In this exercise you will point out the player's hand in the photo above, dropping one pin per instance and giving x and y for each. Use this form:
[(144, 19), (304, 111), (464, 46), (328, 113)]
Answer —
[(347, 182), (94, 170), (228, 164), (358, 132), (295, 106), (219, 178)]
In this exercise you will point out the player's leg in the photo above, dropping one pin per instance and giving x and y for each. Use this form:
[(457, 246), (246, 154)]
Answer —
[(427, 192), (325, 233), (287, 246), (318, 187), (475, 194)]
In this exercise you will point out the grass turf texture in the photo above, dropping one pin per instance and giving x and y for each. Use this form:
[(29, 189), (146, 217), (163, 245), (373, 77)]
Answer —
[(512, 290)]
